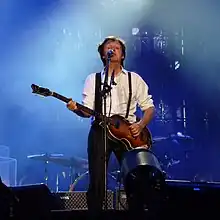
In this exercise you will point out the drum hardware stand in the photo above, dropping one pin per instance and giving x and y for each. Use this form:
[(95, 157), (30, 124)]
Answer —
[(57, 183), (184, 114), (46, 173), (58, 180), (106, 90), (162, 110), (206, 120), (71, 175)]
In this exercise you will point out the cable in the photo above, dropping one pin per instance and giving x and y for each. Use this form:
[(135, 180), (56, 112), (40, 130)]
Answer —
[(112, 82), (119, 193)]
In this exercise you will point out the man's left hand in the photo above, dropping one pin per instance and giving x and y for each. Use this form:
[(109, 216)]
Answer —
[(136, 129)]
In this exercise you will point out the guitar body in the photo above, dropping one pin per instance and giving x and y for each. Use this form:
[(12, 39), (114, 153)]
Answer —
[(119, 131)]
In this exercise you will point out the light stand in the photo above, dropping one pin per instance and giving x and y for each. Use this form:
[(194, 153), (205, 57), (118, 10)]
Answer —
[(144, 181), (105, 90)]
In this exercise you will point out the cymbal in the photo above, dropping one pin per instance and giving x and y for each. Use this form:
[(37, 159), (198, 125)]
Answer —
[(160, 138), (176, 136), (180, 136), (73, 162), (44, 157), (116, 172)]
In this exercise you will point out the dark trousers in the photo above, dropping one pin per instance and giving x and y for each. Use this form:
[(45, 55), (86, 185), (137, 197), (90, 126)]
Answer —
[(96, 160)]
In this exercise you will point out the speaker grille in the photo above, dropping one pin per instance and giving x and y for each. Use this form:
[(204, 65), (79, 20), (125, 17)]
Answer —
[(77, 200)]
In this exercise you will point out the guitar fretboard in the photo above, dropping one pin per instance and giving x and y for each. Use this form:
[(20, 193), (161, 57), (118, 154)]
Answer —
[(60, 97), (79, 106)]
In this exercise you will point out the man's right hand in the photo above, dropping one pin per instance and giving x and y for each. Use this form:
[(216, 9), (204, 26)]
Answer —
[(71, 105)]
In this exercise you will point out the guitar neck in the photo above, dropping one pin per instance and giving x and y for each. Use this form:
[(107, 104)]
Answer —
[(79, 106), (60, 97)]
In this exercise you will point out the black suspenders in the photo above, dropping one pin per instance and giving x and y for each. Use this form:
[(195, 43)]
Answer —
[(98, 98), (130, 93)]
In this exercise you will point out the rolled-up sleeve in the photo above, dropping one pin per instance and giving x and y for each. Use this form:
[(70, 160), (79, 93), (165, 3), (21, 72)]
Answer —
[(144, 99), (88, 94)]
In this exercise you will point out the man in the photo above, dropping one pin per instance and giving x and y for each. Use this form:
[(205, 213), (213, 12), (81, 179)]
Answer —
[(116, 103)]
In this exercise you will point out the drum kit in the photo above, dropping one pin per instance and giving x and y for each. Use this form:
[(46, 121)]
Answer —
[(173, 145), (75, 164), (79, 174), (173, 152), (78, 167)]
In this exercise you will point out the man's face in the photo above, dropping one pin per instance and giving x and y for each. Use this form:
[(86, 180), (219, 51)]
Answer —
[(116, 47)]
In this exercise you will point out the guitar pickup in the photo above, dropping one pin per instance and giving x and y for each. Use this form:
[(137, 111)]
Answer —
[(117, 124)]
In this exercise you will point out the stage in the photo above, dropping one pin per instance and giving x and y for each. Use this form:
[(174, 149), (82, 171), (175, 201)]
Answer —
[(121, 215), (184, 199)]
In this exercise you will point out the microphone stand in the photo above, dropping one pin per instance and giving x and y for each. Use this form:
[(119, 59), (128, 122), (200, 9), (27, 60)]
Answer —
[(106, 89)]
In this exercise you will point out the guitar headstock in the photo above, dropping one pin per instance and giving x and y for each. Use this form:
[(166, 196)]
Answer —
[(40, 90)]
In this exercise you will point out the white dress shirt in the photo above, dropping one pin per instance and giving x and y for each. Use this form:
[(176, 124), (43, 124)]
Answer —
[(118, 100)]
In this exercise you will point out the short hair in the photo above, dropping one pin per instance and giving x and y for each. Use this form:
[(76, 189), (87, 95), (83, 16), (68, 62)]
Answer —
[(111, 38)]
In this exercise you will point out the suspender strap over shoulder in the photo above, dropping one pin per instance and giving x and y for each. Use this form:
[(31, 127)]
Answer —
[(98, 98), (130, 93)]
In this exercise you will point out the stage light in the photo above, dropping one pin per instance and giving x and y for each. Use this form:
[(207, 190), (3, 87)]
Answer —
[(177, 65), (144, 180), (135, 31)]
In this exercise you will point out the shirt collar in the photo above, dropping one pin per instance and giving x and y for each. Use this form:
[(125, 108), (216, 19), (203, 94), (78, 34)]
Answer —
[(124, 71)]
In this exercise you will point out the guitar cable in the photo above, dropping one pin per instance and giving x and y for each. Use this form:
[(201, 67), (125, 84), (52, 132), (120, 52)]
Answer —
[(110, 107)]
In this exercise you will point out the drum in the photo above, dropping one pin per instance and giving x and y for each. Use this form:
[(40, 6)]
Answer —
[(82, 182)]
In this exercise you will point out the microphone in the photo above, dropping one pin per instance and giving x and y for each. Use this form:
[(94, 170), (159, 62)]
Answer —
[(110, 53)]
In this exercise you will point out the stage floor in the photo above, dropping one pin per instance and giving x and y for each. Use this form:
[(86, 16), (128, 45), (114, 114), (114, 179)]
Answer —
[(122, 215)]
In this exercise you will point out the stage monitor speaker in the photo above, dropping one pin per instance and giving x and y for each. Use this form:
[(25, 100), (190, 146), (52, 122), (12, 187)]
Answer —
[(193, 196), (33, 201), (6, 200)]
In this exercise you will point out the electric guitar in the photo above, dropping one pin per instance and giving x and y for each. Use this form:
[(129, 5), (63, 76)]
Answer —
[(117, 126)]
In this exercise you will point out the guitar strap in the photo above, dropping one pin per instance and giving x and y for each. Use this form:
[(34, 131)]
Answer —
[(130, 93), (98, 98)]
